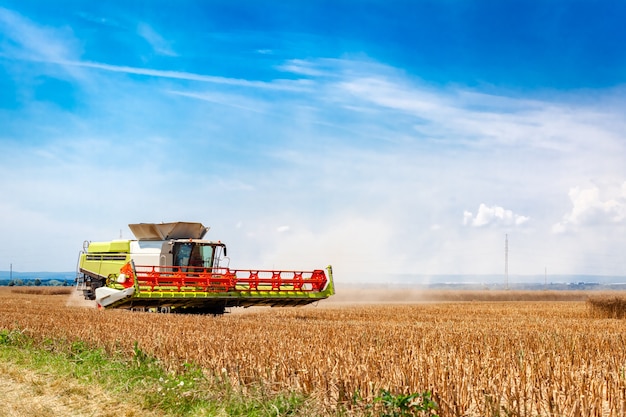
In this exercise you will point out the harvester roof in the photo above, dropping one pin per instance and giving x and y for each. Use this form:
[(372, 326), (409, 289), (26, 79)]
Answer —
[(167, 231)]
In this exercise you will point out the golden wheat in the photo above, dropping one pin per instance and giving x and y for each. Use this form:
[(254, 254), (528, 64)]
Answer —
[(607, 306), (477, 358), (43, 290)]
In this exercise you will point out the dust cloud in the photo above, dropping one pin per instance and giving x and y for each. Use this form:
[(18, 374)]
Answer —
[(76, 299), (351, 296), (356, 296)]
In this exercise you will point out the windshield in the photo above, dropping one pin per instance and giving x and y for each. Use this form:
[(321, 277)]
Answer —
[(193, 254)]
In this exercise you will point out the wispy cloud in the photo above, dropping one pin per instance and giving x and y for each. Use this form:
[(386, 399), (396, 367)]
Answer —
[(36, 43), (179, 75), (159, 44), (99, 20), (26, 40)]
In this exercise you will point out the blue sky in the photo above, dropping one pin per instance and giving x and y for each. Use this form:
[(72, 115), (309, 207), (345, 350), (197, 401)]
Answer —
[(380, 137)]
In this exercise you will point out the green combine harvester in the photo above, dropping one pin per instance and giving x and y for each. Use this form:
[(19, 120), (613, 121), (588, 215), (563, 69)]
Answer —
[(171, 268)]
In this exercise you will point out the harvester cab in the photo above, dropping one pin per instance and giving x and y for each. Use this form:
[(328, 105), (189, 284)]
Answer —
[(170, 267), (181, 244)]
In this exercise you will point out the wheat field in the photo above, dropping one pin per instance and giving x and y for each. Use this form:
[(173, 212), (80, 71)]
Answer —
[(478, 358)]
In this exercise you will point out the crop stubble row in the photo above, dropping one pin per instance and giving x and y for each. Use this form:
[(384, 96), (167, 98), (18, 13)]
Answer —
[(477, 358)]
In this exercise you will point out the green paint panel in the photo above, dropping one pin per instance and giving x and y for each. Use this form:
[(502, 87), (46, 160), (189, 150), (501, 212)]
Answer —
[(108, 247)]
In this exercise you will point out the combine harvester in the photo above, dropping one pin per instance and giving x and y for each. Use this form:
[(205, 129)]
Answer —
[(169, 267)]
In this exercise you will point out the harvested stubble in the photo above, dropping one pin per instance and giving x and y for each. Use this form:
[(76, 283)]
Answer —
[(477, 358)]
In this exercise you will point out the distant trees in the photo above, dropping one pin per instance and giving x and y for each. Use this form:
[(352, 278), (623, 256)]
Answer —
[(36, 282)]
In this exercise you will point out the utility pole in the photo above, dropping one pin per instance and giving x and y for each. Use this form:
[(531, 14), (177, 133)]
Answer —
[(506, 260), (11, 272)]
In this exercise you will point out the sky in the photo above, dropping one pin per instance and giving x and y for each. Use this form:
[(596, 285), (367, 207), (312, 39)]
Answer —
[(382, 137)]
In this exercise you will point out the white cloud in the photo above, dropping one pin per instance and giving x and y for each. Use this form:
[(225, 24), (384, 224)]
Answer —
[(589, 208), (394, 94), (455, 114), (493, 216), (28, 40), (156, 41)]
